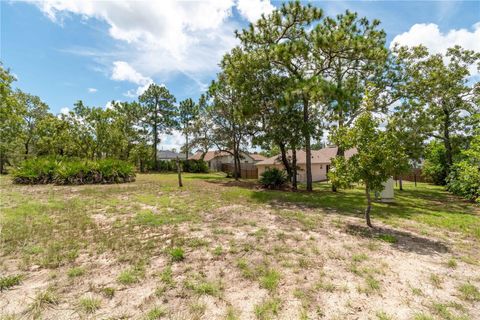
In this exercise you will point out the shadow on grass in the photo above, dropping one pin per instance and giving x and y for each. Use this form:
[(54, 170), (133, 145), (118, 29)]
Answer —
[(401, 240)]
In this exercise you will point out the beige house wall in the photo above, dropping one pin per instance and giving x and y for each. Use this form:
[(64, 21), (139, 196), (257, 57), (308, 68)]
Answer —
[(319, 171), (216, 163)]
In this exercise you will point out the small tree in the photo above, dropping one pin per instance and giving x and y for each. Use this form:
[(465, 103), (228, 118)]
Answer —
[(188, 113), (374, 162)]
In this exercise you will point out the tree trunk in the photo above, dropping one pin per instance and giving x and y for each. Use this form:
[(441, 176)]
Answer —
[(294, 165), (186, 147), (179, 171), (415, 177), (155, 143), (340, 153), (308, 151), (400, 183), (285, 162), (446, 140), (369, 206)]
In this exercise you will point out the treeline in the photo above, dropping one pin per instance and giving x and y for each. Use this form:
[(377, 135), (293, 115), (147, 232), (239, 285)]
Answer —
[(128, 131)]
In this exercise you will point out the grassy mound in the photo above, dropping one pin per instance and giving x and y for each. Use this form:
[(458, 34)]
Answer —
[(66, 171)]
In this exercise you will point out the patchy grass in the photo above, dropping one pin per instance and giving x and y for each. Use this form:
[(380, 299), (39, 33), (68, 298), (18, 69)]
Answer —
[(267, 309), (76, 272), (469, 292), (221, 249), (42, 301)]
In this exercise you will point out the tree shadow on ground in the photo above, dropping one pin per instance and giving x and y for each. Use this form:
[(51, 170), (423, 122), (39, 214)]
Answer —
[(400, 240)]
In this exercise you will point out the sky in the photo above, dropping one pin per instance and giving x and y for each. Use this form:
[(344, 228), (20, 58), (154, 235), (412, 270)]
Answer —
[(99, 51)]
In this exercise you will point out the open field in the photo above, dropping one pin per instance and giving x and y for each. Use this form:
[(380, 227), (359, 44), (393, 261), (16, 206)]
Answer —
[(219, 249)]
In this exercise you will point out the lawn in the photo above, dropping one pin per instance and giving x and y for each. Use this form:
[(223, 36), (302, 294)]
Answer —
[(220, 249)]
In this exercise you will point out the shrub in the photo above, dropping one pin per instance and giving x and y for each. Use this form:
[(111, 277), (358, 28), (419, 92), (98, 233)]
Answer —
[(273, 178), (36, 171), (464, 180), (64, 171), (194, 166)]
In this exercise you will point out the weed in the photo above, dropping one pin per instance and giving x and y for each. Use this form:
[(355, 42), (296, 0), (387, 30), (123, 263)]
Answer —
[(204, 287), (89, 304), (218, 251), (177, 254), (267, 309), (43, 300), (131, 276), (359, 257), (436, 280), (155, 313), (270, 279), (422, 316), (452, 263), (166, 276), (469, 292), (10, 281), (232, 314), (108, 292), (381, 315), (75, 272)]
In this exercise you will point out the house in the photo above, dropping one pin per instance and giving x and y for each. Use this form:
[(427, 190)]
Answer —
[(215, 159), (170, 155), (321, 161)]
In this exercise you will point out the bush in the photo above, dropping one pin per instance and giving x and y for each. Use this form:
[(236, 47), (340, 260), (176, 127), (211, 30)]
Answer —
[(273, 178), (464, 180), (194, 166), (435, 166), (64, 171)]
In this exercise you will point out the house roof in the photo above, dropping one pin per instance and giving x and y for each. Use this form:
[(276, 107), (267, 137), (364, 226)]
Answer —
[(257, 157), (318, 156), (213, 154), (209, 155), (167, 154)]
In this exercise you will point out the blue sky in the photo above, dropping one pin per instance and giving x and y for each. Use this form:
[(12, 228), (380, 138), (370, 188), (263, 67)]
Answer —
[(105, 50)]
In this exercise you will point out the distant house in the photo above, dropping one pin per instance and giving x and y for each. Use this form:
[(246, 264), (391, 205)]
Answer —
[(170, 155), (215, 159), (321, 161)]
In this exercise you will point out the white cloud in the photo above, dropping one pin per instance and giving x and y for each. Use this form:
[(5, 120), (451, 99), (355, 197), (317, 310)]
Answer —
[(65, 110), (252, 10), (172, 141), (92, 90), (161, 37), (438, 42), (122, 71)]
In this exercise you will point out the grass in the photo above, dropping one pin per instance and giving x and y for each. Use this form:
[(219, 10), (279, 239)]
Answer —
[(267, 309), (214, 229), (7, 282), (89, 304), (270, 279), (203, 286), (177, 254), (131, 275), (76, 272), (469, 292), (43, 300), (155, 313)]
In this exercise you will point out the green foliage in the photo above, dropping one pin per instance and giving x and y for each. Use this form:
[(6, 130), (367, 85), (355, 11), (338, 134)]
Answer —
[(469, 292), (464, 177), (273, 178), (194, 166), (65, 171), (177, 254), (435, 164), (7, 282)]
